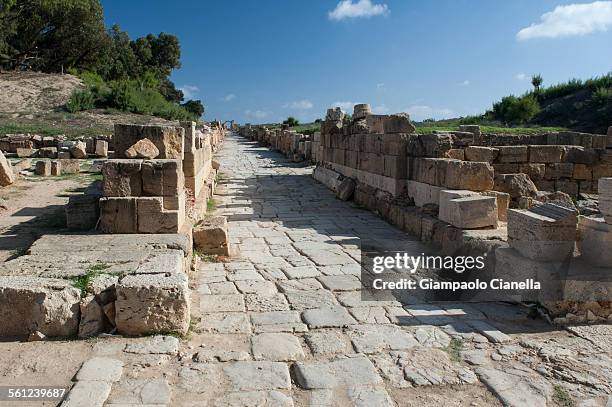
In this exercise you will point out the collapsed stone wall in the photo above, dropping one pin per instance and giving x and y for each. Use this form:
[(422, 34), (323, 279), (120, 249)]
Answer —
[(36, 146), (454, 189)]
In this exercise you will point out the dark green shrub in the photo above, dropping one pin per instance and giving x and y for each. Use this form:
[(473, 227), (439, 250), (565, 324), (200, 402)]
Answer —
[(80, 100)]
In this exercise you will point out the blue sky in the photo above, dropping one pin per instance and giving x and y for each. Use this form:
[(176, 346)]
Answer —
[(262, 61)]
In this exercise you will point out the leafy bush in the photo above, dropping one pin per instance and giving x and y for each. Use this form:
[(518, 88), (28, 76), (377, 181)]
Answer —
[(292, 121), (80, 100), (194, 106), (514, 110), (602, 96)]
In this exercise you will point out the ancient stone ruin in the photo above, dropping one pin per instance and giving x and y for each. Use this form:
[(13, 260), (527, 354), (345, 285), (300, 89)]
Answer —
[(530, 195), (124, 267)]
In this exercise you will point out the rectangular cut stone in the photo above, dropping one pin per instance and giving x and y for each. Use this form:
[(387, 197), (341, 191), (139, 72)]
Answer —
[(82, 212), (152, 303), (468, 210), (101, 148), (536, 172), (70, 166), (545, 154), (503, 203), (423, 194), (169, 140), (153, 218), (211, 236), (118, 215), (122, 178), (605, 198), (30, 304), (481, 154), (559, 170), (475, 176), (544, 233), (513, 154), (595, 242), (162, 178), (43, 168)]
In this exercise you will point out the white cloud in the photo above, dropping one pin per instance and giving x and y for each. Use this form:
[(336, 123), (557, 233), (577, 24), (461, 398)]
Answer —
[(422, 112), (299, 105), (380, 109), (380, 86), (346, 107), (360, 9), (229, 97), (189, 91), (520, 76), (464, 83), (257, 114), (571, 19)]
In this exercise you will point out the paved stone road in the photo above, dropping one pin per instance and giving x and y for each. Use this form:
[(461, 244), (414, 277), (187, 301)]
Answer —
[(283, 324)]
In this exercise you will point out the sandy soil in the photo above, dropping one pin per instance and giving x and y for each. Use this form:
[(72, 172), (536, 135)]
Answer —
[(35, 92)]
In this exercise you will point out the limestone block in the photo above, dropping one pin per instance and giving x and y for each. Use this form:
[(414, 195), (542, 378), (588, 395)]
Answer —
[(82, 212), (535, 172), (29, 304), (169, 140), (71, 166), (513, 154), (599, 141), (25, 152), (430, 170), (153, 218), (475, 176), (468, 210), (396, 166), (43, 168), (64, 155), (56, 168), (118, 215), (546, 154), (580, 155), (390, 124), (456, 154), (190, 136), (93, 319), (361, 110), (605, 198), (346, 189), (122, 178), (101, 148), (174, 203), (582, 172), (595, 241), (423, 194), (152, 303), (568, 186), (517, 185), (506, 168), (47, 152), (327, 177), (435, 145), (210, 236), (544, 233), (481, 154), (143, 148), (559, 170), (162, 178), (503, 203), (79, 150), (7, 177)]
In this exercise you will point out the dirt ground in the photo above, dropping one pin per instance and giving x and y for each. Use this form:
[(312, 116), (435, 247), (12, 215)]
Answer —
[(32, 207)]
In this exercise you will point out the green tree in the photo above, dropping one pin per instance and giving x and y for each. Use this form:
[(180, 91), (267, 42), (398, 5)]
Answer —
[(536, 81), (194, 106), (513, 110), (292, 121)]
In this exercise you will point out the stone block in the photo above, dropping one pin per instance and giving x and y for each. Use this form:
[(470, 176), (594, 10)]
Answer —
[(153, 218), (503, 203), (25, 152), (7, 177), (79, 150), (101, 148), (467, 209), (559, 170), (43, 168), (162, 178), (64, 155), (506, 168), (423, 194), (580, 155), (543, 233), (71, 166), (475, 176), (605, 198), (143, 148), (456, 154), (211, 237), (56, 168), (546, 154), (582, 172), (389, 124), (327, 177), (118, 215), (516, 185), (152, 303), (30, 304), (599, 141), (435, 145), (47, 152), (346, 189), (568, 186), (82, 212), (535, 172), (513, 154), (481, 154), (595, 241), (122, 178), (169, 140), (396, 166)]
